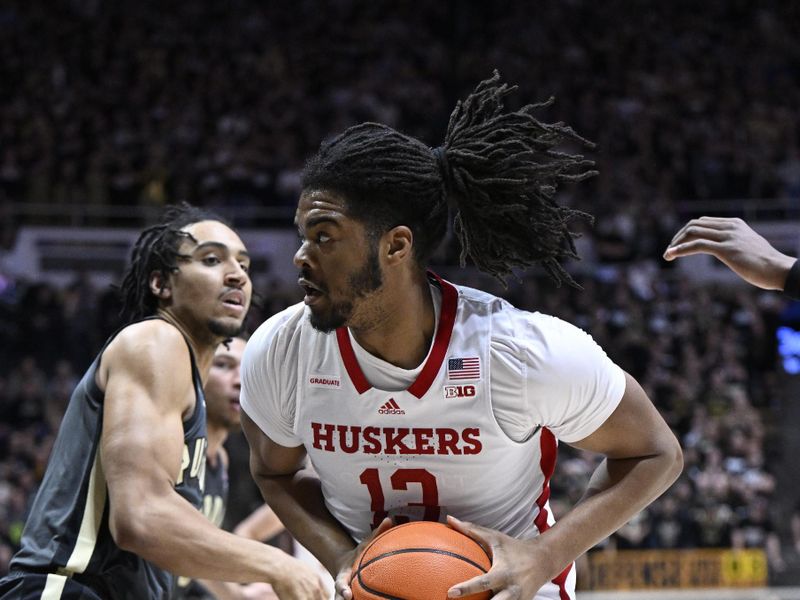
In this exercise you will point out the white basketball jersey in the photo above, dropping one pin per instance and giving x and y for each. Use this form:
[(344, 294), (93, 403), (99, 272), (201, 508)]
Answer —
[(431, 450)]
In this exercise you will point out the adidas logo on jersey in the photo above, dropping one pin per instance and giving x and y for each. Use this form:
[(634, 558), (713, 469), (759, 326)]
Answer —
[(391, 408)]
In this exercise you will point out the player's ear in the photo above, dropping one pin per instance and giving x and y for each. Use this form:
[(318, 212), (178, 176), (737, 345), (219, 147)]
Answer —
[(399, 244), (159, 285)]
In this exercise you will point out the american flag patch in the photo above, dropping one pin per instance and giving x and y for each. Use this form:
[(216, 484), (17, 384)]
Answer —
[(464, 368)]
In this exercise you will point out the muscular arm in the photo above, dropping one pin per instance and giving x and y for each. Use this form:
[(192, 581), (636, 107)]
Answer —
[(294, 493), (262, 524), (642, 459), (146, 373)]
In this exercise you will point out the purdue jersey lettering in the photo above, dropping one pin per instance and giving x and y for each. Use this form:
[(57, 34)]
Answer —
[(215, 498), (193, 462)]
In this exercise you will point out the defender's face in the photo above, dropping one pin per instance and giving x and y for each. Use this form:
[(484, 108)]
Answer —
[(224, 384), (211, 287), (339, 266)]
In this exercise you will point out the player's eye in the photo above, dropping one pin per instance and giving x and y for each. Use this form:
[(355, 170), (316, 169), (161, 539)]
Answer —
[(211, 260), (322, 238)]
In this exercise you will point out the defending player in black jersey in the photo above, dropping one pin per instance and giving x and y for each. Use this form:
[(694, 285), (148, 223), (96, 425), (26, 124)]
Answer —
[(117, 509)]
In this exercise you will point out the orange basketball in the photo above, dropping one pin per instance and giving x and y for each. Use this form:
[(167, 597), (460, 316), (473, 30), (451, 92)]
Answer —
[(418, 561)]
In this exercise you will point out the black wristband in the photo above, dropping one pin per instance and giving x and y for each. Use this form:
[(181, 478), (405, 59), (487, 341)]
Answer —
[(792, 286)]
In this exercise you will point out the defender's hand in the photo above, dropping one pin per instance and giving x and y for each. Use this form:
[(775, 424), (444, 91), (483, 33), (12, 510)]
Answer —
[(299, 582)]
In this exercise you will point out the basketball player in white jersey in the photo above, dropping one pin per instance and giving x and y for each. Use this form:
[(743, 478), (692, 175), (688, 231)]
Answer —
[(418, 399)]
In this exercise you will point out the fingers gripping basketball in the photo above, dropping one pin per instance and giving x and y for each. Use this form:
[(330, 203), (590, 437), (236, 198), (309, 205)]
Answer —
[(418, 561)]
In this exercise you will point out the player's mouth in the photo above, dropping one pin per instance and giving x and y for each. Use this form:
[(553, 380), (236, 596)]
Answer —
[(234, 300), (235, 407), (312, 292)]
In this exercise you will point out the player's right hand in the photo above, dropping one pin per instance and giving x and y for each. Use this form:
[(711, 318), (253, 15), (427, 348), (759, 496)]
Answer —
[(734, 242), (299, 582), (343, 591)]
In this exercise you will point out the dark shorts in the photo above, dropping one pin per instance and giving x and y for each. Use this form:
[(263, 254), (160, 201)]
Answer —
[(40, 586)]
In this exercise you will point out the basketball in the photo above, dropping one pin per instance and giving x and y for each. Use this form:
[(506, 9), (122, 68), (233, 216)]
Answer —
[(418, 561)]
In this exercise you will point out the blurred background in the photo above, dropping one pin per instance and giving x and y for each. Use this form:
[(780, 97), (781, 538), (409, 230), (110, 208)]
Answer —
[(111, 110)]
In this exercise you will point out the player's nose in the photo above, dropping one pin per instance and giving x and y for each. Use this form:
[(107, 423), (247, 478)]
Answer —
[(301, 257), (237, 379)]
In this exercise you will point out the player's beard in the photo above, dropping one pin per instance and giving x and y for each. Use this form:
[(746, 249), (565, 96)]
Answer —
[(364, 281), (221, 416), (226, 329)]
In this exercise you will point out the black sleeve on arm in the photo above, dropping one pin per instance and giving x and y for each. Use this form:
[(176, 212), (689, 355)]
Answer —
[(792, 286)]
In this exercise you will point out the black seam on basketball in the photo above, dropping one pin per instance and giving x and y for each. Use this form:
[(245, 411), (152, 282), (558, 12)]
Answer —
[(375, 592), (485, 551), (411, 550), (395, 528)]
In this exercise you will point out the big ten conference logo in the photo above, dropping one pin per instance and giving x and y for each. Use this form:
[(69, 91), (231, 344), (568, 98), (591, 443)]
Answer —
[(459, 391)]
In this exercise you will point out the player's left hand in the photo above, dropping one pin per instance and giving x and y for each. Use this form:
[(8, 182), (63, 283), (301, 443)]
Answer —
[(519, 567), (342, 581)]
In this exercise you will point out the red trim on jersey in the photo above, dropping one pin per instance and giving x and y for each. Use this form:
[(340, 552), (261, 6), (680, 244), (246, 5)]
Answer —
[(549, 450), (442, 340), (440, 343), (350, 361)]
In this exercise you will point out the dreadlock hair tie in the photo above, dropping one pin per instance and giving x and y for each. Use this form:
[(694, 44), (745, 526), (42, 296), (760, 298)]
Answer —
[(444, 167), (446, 171), (501, 166)]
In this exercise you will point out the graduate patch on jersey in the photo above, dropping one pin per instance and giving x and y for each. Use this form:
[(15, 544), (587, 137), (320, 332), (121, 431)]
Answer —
[(333, 382), (464, 367)]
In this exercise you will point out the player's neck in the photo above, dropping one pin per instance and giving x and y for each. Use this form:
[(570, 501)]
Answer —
[(404, 337), (216, 436), (203, 344)]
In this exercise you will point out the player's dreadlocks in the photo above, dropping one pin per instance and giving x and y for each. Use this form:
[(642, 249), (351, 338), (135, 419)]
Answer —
[(156, 250), (497, 170)]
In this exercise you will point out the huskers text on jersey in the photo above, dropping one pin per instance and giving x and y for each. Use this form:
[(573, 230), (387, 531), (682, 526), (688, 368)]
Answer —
[(395, 440)]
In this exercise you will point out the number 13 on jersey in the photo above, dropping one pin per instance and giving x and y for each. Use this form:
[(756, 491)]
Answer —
[(399, 481)]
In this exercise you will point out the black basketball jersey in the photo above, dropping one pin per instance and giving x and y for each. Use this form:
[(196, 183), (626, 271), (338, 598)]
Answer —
[(215, 495), (215, 499), (67, 531)]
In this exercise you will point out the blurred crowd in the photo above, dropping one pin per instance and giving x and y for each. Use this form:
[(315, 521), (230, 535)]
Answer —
[(138, 104)]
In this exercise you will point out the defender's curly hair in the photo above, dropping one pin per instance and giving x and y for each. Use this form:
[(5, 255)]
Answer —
[(156, 250), (498, 170)]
